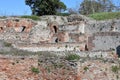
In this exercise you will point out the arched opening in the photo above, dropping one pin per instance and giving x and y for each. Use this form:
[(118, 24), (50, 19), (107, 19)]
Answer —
[(118, 51), (1, 28), (56, 40), (23, 28), (55, 29), (86, 48)]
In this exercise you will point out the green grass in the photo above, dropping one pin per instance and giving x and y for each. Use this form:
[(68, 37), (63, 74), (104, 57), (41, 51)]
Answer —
[(33, 17), (105, 15), (7, 44), (35, 70), (3, 17), (73, 57), (115, 69), (86, 68)]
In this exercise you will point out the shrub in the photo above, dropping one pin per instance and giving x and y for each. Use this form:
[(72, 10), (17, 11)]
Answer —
[(66, 46), (33, 17), (3, 17), (86, 68), (35, 70), (73, 57), (115, 69), (7, 44), (58, 65)]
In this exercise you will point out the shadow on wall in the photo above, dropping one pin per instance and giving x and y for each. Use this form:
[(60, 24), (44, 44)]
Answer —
[(118, 51)]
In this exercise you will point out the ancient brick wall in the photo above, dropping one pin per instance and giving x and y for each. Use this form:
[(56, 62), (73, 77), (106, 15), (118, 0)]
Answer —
[(19, 25), (102, 26), (59, 29), (104, 41), (15, 29)]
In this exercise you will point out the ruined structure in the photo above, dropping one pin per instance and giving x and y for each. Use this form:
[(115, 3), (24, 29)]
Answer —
[(74, 32)]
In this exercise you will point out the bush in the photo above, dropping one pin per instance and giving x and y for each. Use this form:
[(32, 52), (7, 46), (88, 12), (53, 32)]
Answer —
[(3, 17), (86, 68), (35, 70), (105, 15), (73, 57), (115, 69), (33, 17), (7, 44)]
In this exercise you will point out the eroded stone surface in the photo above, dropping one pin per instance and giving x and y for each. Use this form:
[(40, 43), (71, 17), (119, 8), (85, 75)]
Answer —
[(53, 67), (59, 29)]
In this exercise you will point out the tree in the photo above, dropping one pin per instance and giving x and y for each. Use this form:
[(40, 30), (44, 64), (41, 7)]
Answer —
[(88, 7), (107, 5), (94, 6), (45, 7)]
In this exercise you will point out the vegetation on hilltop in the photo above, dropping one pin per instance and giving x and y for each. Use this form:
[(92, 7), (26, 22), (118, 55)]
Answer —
[(105, 15), (96, 6), (33, 17)]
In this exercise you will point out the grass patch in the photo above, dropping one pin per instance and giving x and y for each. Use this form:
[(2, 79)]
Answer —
[(115, 69), (86, 68), (73, 57), (105, 15), (35, 70), (33, 17), (3, 17), (7, 44)]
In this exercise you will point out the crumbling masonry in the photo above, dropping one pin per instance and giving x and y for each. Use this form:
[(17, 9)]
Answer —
[(76, 31)]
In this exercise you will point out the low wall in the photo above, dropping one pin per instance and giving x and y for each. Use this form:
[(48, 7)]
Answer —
[(51, 47)]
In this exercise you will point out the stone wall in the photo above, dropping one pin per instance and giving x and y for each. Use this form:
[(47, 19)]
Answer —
[(40, 33), (18, 24), (51, 47), (61, 30), (74, 37), (56, 30), (74, 27), (61, 20), (104, 41), (102, 26), (15, 29)]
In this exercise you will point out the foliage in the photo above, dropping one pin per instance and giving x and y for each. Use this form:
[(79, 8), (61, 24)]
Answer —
[(58, 65), (93, 6), (105, 15), (7, 44), (35, 70), (86, 68), (45, 7), (66, 46), (73, 57), (107, 5), (3, 17), (115, 69), (33, 17)]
